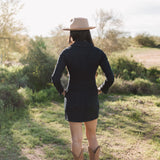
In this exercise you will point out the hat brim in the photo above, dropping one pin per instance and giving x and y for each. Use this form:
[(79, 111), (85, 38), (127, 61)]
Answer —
[(77, 29)]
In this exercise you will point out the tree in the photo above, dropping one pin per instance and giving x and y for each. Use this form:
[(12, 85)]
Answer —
[(106, 20), (39, 65), (108, 33), (59, 40), (9, 25)]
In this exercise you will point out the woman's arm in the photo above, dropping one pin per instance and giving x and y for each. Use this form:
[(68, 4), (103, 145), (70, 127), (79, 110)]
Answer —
[(108, 73), (57, 73)]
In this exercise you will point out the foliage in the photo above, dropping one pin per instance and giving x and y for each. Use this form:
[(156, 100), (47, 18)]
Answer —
[(138, 86), (127, 69), (109, 37), (145, 40), (9, 27), (113, 41), (59, 40), (19, 44), (9, 24), (106, 20), (38, 65), (142, 86), (13, 75), (44, 95), (153, 74), (9, 97)]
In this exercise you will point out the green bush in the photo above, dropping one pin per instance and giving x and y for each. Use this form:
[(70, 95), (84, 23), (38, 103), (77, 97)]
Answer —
[(121, 86), (145, 40), (157, 104), (10, 98), (142, 86), (39, 65), (138, 86), (127, 69), (44, 95), (13, 75), (4, 75), (47, 95), (153, 74)]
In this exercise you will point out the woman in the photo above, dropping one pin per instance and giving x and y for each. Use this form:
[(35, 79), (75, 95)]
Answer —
[(81, 96)]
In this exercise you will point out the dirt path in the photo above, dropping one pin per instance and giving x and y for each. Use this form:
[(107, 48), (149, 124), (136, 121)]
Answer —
[(150, 57)]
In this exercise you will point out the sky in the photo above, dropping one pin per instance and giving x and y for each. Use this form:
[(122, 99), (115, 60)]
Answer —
[(138, 16)]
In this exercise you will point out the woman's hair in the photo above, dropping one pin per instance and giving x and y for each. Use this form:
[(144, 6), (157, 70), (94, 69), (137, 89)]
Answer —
[(83, 35)]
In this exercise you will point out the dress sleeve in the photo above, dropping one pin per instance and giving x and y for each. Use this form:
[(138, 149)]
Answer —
[(108, 73), (57, 73)]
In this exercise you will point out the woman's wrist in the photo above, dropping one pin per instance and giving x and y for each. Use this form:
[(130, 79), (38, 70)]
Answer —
[(99, 91), (64, 93)]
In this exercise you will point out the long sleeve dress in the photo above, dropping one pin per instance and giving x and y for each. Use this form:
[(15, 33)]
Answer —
[(82, 60)]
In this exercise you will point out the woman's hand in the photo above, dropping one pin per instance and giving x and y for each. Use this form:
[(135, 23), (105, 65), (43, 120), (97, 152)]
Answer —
[(64, 93), (99, 91)]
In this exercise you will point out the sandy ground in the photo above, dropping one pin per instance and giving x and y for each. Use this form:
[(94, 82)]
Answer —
[(149, 58)]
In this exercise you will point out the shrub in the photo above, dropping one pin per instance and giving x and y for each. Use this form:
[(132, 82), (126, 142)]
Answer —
[(38, 65), (153, 74), (127, 69), (10, 98), (142, 86), (145, 40), (138, 86), (13, 75), (121, 86), (47, 95), (157, 104), (41, 96)]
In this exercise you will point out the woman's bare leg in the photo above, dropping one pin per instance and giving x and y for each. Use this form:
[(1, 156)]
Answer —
[(76, 133), (91, 133)]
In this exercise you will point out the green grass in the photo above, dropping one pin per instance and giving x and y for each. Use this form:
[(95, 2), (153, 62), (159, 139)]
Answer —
[(128, 128)]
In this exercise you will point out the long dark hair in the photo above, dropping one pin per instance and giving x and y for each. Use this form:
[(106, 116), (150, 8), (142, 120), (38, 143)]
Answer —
[(80, 35)]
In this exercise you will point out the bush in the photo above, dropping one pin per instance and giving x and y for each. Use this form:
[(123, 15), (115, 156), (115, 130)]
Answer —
[(127, 69), (10, 98), (121, 86), (145, 40), (142, 86), (138, 86), (43, 95), (38, 65), (13, 75), (47, 95), (153, 74)]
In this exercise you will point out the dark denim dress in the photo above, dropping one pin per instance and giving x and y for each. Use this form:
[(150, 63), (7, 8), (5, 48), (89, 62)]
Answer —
[(82, 60)]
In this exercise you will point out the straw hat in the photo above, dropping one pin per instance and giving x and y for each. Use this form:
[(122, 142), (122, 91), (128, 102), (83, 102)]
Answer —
[(79, 24)]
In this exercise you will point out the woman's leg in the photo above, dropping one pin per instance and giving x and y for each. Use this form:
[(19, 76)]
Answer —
[(91, 134), (76, 133)]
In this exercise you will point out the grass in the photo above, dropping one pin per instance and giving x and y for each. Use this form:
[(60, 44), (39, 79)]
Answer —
[(128, 128)]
